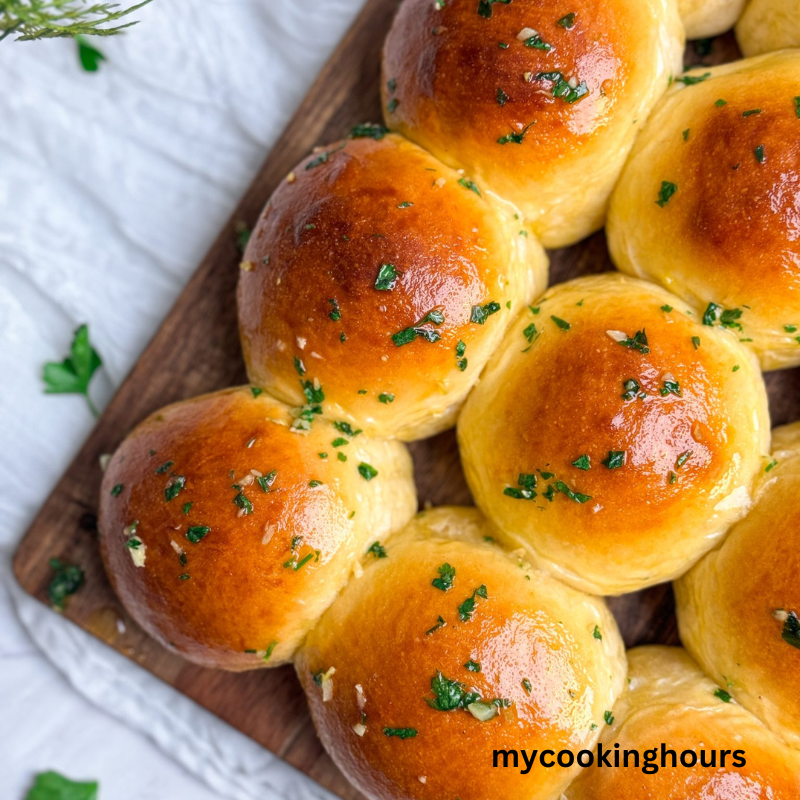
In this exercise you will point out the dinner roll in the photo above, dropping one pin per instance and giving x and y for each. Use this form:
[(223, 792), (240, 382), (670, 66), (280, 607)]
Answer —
[(226, 534), (704, 18), (613, 435), (538, 101), (738, 608), (768, 25), (707, 204), (446, 649), (387, 278), (671, 706)]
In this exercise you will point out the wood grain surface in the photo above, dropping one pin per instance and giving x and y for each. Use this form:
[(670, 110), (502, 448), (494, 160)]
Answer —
[(196, 350)]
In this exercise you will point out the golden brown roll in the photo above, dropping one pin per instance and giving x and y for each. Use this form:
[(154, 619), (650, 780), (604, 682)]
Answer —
[(738, 609), (538, 101), (226, 534), (704, 18), (671, 706), (768, 25), (613, 435), (708, 202), (447, 649), (386, 277)]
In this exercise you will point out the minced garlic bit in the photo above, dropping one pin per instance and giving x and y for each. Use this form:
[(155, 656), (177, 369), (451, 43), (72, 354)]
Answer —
[(176, 547), (136, 547), (439, 182), (247, 266), (361, 698), (269, 532), (527, 33), (781, 615), (326, 683), (423, 778), (359, 728), (291, 177), (104, 459), (617, 336)]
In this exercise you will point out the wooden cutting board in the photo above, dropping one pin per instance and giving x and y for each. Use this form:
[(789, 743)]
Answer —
[(196, 350)]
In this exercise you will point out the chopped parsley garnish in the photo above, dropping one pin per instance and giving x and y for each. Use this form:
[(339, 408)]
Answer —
[(638, 342), (323, 157), (723, 695), (691, 80), (665, 193), (391, 106), (686, 134), (165, 467), (346, 428), (266, 481), (502, 97), (387, 278), (339, 442), (467, 608), (719, 103), (400, 733), (176, 485), (751, 113), (243, 503), (197, 532), (515, 138), (256, 391), (445, 579), (530, 333), (563, 88), (117, 490), (391, 84), (52, 786), (314, 394), (790, 328), (314, 483), (336, 313), (771, 465), (565, 326), (670, 386), (377, 550), (440, 623), (480, 314), (405, 204), (472, 666), (526, 685), (562, 487), (608, 717), (269, 650), (567, 21), (583, 462), (386, 398), (666, 308), (760, 154), (187, 507), (66, 580), (408, 335), (299, 366), (727, 317), (369, 131), (596, 633), (341, 456), (528, 490), (449, 695), (366, 471), (797, 107), (537, 43), (485, 7), (683, 458), (633, 389), (461, 362), (468, 184), (696, 342), (791, 630)]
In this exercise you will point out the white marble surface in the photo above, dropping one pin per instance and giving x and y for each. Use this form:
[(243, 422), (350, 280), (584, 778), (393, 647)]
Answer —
[(112, 186)]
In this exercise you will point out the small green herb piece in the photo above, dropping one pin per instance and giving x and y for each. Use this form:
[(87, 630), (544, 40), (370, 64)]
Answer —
[(683, 458), (530, 333), (584, 462), (686, 134), (176, 485), (751, 113), (314, 483), (671, 386), (187, 507), (314, 394), (666, 309), (537, 43), (341, 456), (608, 717), (440, 623), (391, 106), (299, 366), (256, 391), (797, 107), (52, 786), (467, 608), (736, 368), (449, 695), (760, 154), (386, 398), (723, 695), (596, 633), (165, 467), (502, 97), (692, 80), (480, 314), (74, 373), (615, 460), (387, 278), (567, 21), (638, 342), (400, 733), (485, 7), (266, 481), (446, 576), (727, 317), (66, 580), (472, 666), (665, 193), (461, 362), (771, 465), (562, 487), (243, 503), (408, 335), (563, 89), (468, 184), (515, 138), (633, 390), (791, 630), (719, 103), (197, 533), (565, 326), (336, 314), (391, 84), (369, 131), (270, 647), (347, 429), (377, 550), (526, 685), (696, 342), (117, 490), (366, 471)]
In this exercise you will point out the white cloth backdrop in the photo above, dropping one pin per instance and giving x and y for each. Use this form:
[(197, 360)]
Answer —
[(112, 186)]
